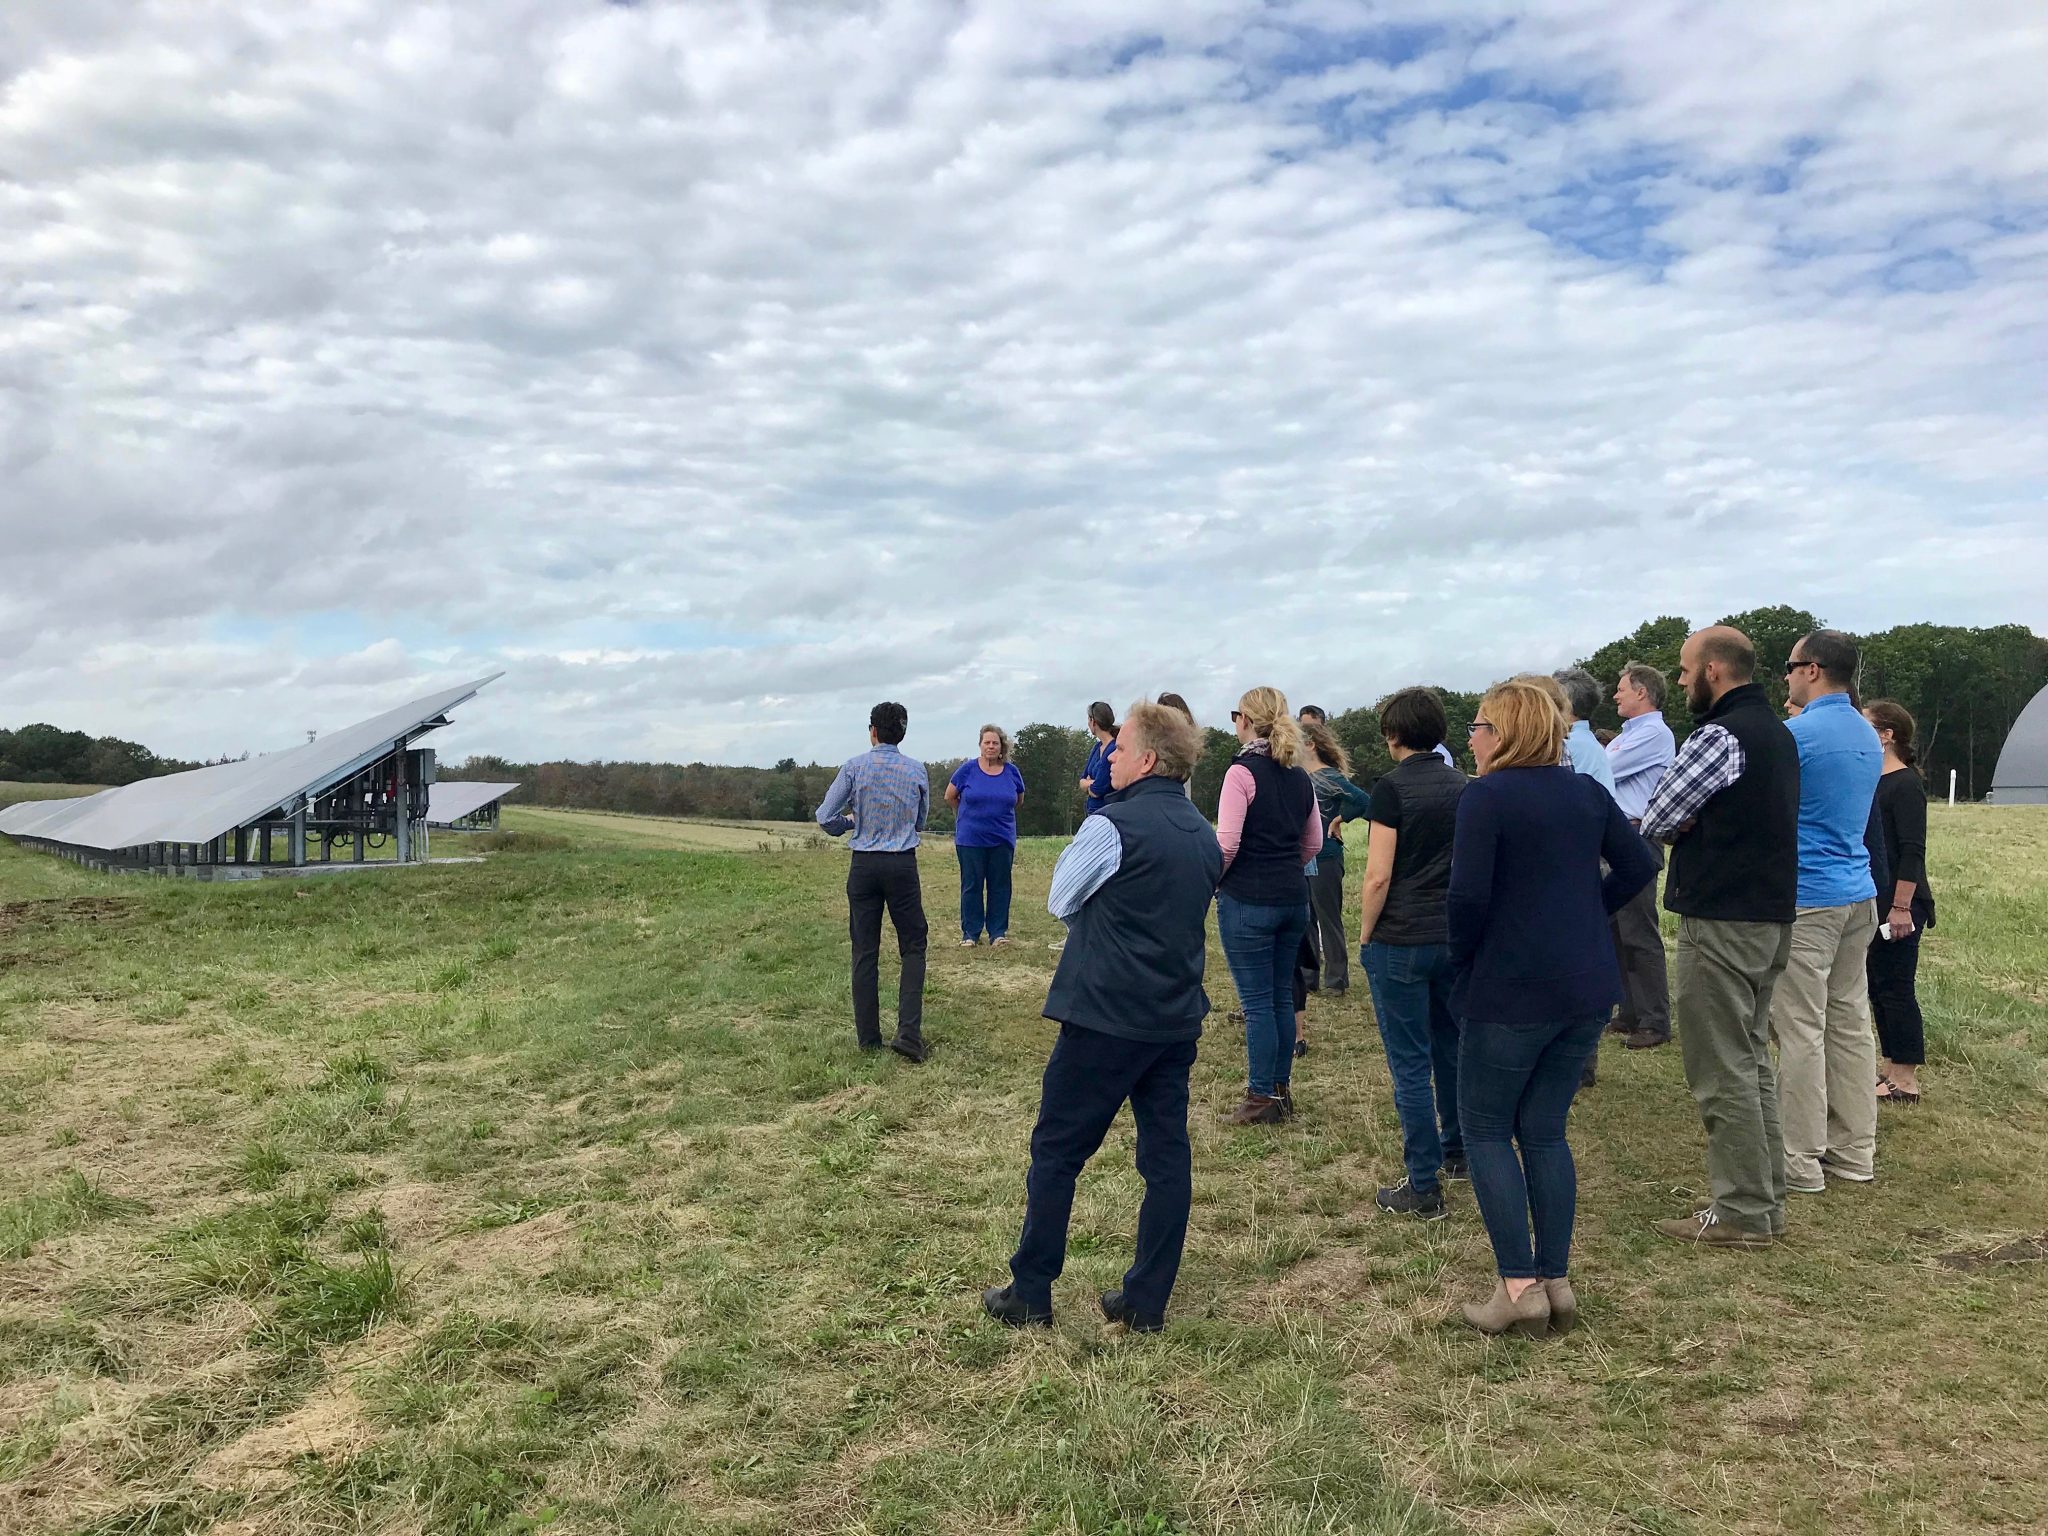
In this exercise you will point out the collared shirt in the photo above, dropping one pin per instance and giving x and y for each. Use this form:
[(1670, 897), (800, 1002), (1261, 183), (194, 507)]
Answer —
[(888, 796), (1583, 751), (1839, 764), (1096, 853), (1638, 758), (1710, 761)]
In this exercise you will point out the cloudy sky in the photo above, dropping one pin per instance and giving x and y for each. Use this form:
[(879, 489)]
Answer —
[(719, 368)]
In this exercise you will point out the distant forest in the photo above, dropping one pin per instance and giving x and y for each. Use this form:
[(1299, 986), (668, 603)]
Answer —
[(1965, 687), (43, 754)]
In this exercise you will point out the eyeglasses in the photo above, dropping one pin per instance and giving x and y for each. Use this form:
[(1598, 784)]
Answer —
[(1796, 663), (1480, 725)]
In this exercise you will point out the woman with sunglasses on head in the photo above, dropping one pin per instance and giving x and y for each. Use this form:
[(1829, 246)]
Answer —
[(1536, 976), (1270, 829)]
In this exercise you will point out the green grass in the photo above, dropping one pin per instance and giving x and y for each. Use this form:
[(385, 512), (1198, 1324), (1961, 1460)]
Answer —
[(550, 1193)]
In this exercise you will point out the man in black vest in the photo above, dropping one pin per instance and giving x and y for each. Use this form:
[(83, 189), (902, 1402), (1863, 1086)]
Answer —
[(1729, 807), (1134, 889)]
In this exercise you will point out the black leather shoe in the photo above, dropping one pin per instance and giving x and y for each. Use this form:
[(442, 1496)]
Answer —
[(1000, 1302), (1644, 1040), (1114, 1309), (909, 1050)]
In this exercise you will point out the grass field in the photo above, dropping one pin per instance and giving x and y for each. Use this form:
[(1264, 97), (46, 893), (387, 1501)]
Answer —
[(550, 1193), (13, 791)]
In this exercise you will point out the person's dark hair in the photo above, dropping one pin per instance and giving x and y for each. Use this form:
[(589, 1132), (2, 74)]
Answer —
[(1835, 653), (1316, 713), (1731, 648), (1175, 701), (890, 722), (1414, 718), (1890, 715), (1101, 716), (1581, 691), (1649, 679)]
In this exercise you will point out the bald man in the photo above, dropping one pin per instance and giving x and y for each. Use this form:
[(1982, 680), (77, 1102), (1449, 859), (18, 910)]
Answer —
[(1729, 808)]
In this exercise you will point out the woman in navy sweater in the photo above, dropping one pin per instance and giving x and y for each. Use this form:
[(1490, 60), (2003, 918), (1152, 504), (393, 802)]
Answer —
[(1535, 979)]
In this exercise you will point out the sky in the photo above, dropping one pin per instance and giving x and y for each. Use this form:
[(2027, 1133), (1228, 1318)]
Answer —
[(718, 369)]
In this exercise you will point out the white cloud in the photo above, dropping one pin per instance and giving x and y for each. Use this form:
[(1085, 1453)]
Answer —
[(721, 368)]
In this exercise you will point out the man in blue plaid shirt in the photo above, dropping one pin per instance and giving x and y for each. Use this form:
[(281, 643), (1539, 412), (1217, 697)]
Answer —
[(883, 797)]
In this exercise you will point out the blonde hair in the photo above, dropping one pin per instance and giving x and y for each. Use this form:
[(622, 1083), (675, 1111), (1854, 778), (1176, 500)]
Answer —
[(1327, 746), (1001, 735), (1168, 734), (1526, 722), (1266, 709)]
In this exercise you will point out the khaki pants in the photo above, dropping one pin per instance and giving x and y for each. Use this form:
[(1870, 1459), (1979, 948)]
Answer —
[(1827, 1057), (1724, 974)]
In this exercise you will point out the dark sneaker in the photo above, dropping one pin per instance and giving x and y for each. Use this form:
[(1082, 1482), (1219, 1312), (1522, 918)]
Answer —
[(909, 1050), (1455, 1166), (1116, 1311), (1001, 1303), (1644, 1040), (1404, 1199)]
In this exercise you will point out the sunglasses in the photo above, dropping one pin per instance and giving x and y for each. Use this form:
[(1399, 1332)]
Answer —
[(1235, 716), (1794, 666)]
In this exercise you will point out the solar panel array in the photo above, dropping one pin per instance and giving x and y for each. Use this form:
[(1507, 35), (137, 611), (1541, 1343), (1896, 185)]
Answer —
[(448, 802), (207, 803)]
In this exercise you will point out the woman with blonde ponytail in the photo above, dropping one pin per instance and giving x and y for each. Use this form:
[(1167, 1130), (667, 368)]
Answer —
[(1270, 829)]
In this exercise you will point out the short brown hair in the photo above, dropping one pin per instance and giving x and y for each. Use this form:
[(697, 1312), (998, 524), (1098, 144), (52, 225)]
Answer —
[(1527, 723), (1649, 679), (1167, 734), (1730, 647)]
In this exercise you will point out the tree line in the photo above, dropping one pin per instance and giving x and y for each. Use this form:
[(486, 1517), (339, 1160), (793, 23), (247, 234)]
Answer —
[(44, 754), (1964, 686)]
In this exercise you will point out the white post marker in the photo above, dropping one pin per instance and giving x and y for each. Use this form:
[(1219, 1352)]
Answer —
[(1951, 787)]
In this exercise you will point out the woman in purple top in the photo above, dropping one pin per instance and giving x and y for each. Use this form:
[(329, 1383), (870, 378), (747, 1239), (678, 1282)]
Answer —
[(984, 793)]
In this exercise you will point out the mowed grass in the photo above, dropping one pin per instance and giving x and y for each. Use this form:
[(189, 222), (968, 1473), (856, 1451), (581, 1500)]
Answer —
[(550, 1193), (616, 829)]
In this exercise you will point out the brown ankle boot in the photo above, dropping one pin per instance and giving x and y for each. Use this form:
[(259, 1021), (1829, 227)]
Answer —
[(1257, 1109), (1564, 1305), (1530, 1316)]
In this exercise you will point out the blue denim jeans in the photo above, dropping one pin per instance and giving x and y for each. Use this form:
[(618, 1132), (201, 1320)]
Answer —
[(1516, 1083), (1411, 998), (1259, 945), (985, 890)]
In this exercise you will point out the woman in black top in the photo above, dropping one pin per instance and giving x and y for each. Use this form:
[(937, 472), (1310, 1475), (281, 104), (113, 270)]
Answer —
[(1893, 963)]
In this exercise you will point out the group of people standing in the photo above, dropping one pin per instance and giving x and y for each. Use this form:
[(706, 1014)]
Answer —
[(1506, 921)]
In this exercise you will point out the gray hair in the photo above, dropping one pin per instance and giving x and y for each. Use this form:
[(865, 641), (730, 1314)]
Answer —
[(1649, 679), (1581, 691)]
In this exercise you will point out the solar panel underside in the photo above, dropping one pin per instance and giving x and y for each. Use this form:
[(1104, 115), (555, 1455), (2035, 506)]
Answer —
[(453, 801), (206, 803)]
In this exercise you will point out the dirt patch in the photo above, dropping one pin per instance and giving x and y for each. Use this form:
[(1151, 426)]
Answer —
[(62, 909), (329, 1426), (2017, 1250)]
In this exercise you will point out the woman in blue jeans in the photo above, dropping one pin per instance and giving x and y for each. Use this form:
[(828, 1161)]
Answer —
[(1535, 979), (1269, 828), (984, 793)]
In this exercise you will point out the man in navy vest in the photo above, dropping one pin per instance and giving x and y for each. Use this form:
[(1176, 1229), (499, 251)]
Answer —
[(1134, 889)]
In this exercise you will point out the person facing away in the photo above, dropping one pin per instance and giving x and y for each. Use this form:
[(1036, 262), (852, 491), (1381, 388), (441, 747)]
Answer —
[(985, 792), (1338, 800), (1729, 809), (1581, 748), (1540, 858), (1403, 946), (883, 798), (1820, 1010), (1134, 889), (1893, 964), (1095, 780), (1179, 705), (1270, 831), (1637, 758)]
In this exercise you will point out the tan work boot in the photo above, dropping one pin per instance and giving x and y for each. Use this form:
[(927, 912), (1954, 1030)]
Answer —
[(1529, 1316), (1564, 1305), (1709, 1230)]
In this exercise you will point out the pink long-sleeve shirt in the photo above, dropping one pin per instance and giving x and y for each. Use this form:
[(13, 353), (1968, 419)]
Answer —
[(1239, 791)]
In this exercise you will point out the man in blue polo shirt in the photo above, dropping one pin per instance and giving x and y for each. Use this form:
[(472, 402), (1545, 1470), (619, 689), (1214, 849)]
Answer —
[(1820, 1012)]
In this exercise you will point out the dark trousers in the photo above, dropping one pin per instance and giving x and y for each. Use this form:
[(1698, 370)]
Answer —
[(1891, 969), (1515, 1087), (873, 881), (1411, 997), (1087, 1081), (1639, 946), (985, 890), (1326, 903)]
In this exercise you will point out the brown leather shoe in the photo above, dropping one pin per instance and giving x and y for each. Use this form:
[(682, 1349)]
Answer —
[(1644, 1040), (1257, 1109), (1564, 1305), (1529, 1316), (1707, 1230)]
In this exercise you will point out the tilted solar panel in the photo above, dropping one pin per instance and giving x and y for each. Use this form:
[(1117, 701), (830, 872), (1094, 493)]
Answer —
[(448, 802), (206, 803)]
